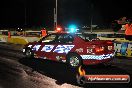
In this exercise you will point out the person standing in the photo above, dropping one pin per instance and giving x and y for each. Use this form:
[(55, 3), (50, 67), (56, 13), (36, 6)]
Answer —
[(43, 32), (128, 30), (9, 34)]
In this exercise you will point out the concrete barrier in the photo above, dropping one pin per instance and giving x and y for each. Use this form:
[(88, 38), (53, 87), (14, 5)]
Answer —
[(17, 41)]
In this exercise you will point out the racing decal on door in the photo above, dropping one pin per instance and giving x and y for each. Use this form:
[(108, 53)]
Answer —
[(63, 48), (47, 48), (80, 50), (58, 49), (89, 50)]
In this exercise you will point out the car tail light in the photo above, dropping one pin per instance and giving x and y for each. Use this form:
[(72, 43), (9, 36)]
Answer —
[(99, 49)]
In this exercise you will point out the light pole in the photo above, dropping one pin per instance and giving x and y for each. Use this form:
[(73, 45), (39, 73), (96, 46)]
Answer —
[(56, 13), (25, 16), (91, 24), (91, 18), (55, 16)]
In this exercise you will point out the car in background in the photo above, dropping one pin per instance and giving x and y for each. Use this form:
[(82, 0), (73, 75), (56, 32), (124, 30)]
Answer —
[(74, 49)]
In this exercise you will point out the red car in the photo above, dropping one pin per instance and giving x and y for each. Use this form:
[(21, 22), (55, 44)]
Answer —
[(74, 49)]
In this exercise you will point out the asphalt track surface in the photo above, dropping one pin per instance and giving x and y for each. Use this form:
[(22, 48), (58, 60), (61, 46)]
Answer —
[(16, 71)]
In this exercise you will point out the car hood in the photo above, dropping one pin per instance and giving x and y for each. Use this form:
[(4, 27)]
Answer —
[(31, 43)]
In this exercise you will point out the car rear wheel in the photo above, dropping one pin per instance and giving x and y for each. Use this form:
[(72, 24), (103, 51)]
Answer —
[(74, 60), (29, 53)]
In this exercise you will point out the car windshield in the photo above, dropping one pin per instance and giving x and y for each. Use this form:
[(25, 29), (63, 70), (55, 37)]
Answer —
[(33, 33), (87, 37), (49, 38)]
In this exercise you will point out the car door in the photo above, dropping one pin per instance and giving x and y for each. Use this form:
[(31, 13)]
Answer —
[(47, 43), (63, 46), (55, 47)]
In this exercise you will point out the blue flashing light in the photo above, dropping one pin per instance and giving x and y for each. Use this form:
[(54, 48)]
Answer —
[(72, 28)]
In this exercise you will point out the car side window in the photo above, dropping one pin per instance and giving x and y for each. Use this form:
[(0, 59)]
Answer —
[(48, 39), (65, 39)]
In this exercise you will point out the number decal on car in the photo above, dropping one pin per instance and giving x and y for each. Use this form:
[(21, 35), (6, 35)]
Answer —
[(47, 48), (63, 48), (36, 47)]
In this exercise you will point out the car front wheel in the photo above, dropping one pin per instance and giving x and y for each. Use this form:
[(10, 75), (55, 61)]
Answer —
[(29, 53)]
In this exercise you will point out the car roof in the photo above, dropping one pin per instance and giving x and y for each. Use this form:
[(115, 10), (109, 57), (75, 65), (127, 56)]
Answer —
[(62, 33)]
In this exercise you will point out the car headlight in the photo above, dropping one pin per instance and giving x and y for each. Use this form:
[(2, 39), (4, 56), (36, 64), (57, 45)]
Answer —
[(23, 50)]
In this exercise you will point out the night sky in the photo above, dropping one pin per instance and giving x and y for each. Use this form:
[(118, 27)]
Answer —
[(40, 12)]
